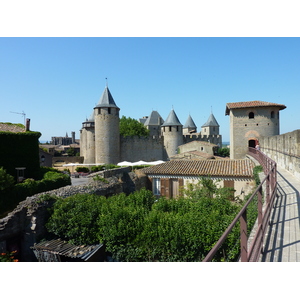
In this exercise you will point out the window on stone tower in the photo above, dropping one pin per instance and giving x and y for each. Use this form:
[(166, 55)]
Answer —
[(170, 128), (272, 115), (251, 115), (109, 111)]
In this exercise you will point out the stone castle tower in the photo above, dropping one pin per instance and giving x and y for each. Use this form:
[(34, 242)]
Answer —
[(101, 143), (171, 130), (248, 122), (107, 131)]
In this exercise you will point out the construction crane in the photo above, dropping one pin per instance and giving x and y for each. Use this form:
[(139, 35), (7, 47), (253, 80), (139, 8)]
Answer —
[(22, 113)]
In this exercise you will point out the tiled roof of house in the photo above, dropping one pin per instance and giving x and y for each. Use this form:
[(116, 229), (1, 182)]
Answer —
[(235, 105), (230, 167), (11, 127)]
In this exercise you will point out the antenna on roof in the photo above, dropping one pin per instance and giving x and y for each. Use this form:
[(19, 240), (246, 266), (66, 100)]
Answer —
[(22, 113)]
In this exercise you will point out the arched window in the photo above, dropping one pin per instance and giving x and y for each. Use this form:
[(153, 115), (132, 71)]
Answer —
[(251, 115), (272, 115)]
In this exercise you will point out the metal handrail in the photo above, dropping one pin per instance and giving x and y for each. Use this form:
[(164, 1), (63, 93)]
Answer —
[(256, 247)]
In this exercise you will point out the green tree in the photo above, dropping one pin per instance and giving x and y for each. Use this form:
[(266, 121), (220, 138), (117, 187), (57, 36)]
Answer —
[(224, 152), (132, 127), (140, 227), (6, 180)]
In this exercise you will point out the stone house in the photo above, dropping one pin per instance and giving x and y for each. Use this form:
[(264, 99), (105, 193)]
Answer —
[(168, 178)]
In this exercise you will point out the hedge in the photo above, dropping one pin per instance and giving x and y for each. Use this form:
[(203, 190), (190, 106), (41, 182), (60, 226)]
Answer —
[(10, 197)]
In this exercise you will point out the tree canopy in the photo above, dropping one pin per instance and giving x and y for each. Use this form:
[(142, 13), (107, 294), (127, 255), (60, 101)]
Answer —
[(139, 227), (132, 127)]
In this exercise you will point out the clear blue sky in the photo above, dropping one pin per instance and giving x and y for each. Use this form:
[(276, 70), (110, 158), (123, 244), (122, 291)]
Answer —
[(58, 81)]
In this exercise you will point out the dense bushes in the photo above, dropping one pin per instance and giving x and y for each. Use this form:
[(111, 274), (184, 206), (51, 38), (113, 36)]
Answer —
[(140, 228), (12, 195)]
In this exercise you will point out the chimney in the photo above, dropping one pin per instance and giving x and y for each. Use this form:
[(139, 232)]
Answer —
[(27, 124)]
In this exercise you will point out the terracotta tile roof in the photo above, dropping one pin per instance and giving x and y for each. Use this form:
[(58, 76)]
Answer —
[(11, 127), (247, 104), (229, 167)]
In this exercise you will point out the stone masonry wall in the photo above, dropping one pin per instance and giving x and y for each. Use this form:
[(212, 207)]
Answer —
[(141, 148), (284, 149)]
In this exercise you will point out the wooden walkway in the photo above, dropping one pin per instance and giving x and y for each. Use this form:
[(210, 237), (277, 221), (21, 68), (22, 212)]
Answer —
[(282, 239)]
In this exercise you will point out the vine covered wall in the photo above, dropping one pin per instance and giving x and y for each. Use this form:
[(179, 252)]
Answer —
[(20, 149)]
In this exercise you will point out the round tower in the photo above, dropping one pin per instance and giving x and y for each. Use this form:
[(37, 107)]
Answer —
[(107, 130), (87, 140), (171, 130), (248, 122)]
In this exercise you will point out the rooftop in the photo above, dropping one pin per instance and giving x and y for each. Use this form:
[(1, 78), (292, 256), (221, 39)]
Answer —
[(211, 121), (228, 167), (237, 105), (63, 248), (154, 119), (9, 127), (106, 99), (172, 119), (190, 123)]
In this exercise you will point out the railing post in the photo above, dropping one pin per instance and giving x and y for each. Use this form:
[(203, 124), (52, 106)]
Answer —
[(268, 189), (244, 237), (260, 217)]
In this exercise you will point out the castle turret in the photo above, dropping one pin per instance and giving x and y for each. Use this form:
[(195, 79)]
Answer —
[(189, 126), (211, 127), (87, 140), (171, 129), (107, 130), (153, 123)]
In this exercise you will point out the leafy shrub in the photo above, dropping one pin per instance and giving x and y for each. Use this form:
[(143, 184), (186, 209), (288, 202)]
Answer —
[(82, 169), (256, 171), (11, 197), (97, 168), (140, 227), (6, 180)]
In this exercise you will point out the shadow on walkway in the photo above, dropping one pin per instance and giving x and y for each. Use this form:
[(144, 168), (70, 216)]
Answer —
[(282, 239)]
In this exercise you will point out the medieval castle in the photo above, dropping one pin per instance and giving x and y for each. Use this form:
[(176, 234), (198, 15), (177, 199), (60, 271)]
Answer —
[(101, 143)]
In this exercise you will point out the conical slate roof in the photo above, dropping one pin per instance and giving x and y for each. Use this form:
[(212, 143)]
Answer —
[(154, 119), (91, 118), (211, 121), (190, 123), (172, 119), (106, 99)]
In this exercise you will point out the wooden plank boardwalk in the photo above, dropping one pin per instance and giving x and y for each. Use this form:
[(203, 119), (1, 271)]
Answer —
[(282, 239)]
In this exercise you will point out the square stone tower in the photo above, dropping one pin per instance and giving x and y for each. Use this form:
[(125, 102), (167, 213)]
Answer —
[(248, 122)]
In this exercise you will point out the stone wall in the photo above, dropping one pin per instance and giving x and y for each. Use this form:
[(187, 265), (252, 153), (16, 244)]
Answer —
[(142, 148), (284, 149), (25, 225)]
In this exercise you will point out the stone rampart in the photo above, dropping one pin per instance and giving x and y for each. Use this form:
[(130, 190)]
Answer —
[(142, 148), (284, 149)]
